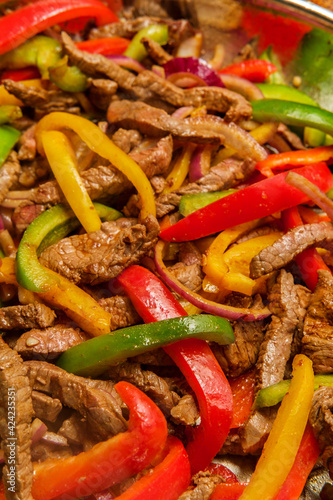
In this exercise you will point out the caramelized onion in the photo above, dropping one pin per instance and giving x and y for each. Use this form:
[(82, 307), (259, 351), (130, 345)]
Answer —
[(242, 86), (192, 66), (127, 62), (228, 312)]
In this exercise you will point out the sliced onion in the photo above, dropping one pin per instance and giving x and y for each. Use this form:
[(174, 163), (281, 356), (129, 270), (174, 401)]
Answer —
[(311, 191), (158, 70), (200, 162), (183, 112), (193, 66), (242, 86), (127, 62), (228, 312), (234, 137)]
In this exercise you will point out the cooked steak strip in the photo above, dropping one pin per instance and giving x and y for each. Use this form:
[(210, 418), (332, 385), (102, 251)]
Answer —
[(99, 256), (45, 407), (127, 139), (286, 248), (48, 343), (155, 51), (35, 315), (27, 144), (9, 174), (15, 423), (317, 340), (204, 486), (122, 311), (288, 303), (101, 91), (97, 406), (154, 160), (150, 383), (186, 411), (223, 176), (218, 99), (321, 419), (44, 100)]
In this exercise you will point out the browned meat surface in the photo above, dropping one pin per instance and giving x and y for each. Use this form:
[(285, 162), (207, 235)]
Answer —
[(15, 423), (32, 172), (155, 51), (23, 216), (45, 101), (101, 91), (48, 343), (99, 256), (154, 160), (96, 405), (291, 244), (150, 383), (28, 316), (126, 140), (9, 173), (217, 99), (47, 448), (288, 303), (74, 429), (188, 270), (321, 419), (186, 411), (317, 340), (223, 176), (122, 311), (45, 407), (204, 484), (27, 144)]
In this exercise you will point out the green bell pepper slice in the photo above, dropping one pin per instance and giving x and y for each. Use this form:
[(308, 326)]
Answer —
[(9, 113), (293, 113), (94, 356), (8, 138), (45, 230), (45, 53), (270, 56), (191, 202), (272, 395), (157, 32)]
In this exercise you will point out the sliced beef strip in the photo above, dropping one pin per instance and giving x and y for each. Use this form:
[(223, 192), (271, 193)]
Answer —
[(23, 216), (45, 407), (9, 174), (44, 450), (31, 173), (188, 270), (27, 144), (34, 315), (288, 303), (126, 140), (317, 340), (48, 343), (150, 383), (74, 429), (219, 99), (204, 484), (96, 405), (122, 311), (321, 420), (223, 176), (186, 411), (101, 91), (44, 101), (15, 383), (286, 248), (154, 160), (99, 256), (155, 51)]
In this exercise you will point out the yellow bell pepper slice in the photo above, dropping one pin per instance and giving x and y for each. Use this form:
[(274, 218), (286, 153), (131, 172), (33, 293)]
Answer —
[(61, 157), (102, 145), (281, 447), (180, 169), (77, 304)]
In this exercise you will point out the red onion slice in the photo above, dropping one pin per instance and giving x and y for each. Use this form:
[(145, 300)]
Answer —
[(193, 66), (200, 162), (311, 191), (242, 86), (228, 312)]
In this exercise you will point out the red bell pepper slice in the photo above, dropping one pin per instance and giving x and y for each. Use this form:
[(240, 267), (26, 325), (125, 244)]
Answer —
[(168, 480), (153, 301), (109, 462), (309, 216), (284, 161), (253, 202), (307, 455), (24, 23), (106, 46), (309, 261), (255, 70), (242, 389), (228, 491), (17, 75)]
